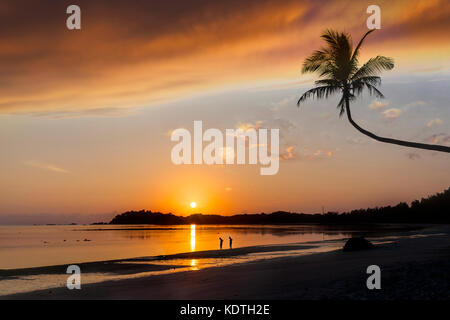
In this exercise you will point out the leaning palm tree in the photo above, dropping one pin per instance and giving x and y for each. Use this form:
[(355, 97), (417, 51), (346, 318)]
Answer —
[(337, 66)]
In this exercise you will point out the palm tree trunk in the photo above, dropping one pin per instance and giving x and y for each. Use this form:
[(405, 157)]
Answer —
[(393, 141)]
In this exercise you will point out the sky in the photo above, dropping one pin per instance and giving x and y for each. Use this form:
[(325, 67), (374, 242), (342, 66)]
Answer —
[(86, 115)]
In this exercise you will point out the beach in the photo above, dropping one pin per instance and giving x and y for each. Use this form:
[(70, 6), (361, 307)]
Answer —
[(413, 265), (194, 152)]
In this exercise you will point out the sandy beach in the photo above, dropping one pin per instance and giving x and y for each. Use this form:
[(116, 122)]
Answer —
[(412, 267)]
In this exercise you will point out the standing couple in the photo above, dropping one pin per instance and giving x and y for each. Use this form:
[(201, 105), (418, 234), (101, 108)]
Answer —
[(221, 242)]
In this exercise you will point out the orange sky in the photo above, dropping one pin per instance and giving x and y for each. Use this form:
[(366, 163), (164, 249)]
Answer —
[(140, 53), (85, 115)]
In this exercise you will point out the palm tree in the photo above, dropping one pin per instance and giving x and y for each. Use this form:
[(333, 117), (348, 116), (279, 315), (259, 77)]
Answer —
[(337, 66)]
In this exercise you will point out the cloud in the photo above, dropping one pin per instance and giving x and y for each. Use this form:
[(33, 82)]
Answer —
[(92, 113), (428, 69), (391, 114), (291, 153), (45, 166), (439, 138), (166, 52), (288, 101), (288, 153), (316, 154), (394, 113), (287, 148), (376, 105), (434, 122), (248, 125), (321, 154), (414, 104), (283, 85), (172, 49), (228, 189)]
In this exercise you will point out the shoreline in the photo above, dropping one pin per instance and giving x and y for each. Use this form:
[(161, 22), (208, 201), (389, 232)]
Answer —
[(374, 231), (380, 230), (341, 275), (108, 265)]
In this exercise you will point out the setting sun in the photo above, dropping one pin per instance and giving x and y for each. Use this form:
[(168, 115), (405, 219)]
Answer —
[(193, 205)]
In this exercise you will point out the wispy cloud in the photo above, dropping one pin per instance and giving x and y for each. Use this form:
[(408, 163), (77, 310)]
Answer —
[(439, 138), (248, 125), (392, 113), (288, 153), (283, 85), (314, 154), (429, 69), (45, 166), (434, 122), (414, 104), (376, 105), (170, 50), (92, 113), (288, 101)]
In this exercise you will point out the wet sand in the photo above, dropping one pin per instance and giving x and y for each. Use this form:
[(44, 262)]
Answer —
[(412, 268), (128, 266)]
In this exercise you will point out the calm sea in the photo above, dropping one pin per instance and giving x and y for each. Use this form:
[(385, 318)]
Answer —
[(34, 246)]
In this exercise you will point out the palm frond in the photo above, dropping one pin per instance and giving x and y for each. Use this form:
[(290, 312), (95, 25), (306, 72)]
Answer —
[(340, 48), (329, 69), (374, 91), (373, 67), (337, 67), (333, 60), (359, 85), (337, 40), (373, 80), (317, 60), (318, 93), (330, 36), (341, 106), (328, 82)]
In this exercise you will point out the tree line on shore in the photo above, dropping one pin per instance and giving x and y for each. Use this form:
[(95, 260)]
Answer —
[(433, 209)]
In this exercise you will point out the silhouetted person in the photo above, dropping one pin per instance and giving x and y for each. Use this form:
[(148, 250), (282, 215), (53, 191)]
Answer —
[(231, 242), (221, 242)]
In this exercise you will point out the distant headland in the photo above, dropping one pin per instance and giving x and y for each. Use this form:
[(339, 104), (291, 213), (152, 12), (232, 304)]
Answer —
[(433, 209)]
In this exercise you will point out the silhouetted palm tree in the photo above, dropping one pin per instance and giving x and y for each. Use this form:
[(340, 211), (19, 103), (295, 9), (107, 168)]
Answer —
[(337, 66)]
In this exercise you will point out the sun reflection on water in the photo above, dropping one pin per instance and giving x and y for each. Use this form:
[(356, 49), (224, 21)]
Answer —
[(192, 237), (194, 264)]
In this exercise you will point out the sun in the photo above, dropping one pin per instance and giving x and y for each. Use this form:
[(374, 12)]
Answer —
[(193, 204)]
